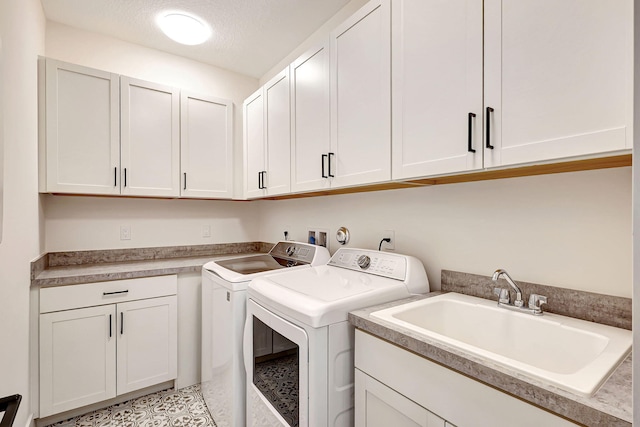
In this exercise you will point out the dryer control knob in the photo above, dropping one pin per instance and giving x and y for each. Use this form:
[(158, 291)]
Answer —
[(364, 261), (290, 250)]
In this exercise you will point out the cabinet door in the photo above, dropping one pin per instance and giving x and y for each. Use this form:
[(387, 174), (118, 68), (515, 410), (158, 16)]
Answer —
[(254, 145), (150, 139), (147, 343), (361, 97), (558, 75), (77, 358), (377, 405), (310, 123), (81, 151), (278, 134), (437, 87), (206, 146)]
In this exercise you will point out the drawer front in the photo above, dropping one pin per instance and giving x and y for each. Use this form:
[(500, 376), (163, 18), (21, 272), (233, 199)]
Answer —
[(100, 293)]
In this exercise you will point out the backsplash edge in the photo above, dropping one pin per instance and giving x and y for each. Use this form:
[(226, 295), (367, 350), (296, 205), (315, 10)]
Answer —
[(599, 308)]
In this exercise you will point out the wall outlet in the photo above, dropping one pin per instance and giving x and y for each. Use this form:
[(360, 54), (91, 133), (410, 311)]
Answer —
[(388, 246), (206, 231), (125, 232)]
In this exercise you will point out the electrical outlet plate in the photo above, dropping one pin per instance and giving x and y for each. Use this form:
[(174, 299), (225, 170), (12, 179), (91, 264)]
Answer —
[(206, 231), (125, 232), (390, 246)]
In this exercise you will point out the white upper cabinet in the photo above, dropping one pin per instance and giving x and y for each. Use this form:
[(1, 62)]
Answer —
[(267, 139), (80, 142), (254, 146), (558, 76), (278, 134), (310, 120), (150, 139), (437, 87), (206, 146), (361, 97)]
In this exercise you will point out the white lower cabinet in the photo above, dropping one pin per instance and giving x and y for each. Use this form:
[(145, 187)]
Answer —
[(382, 406), (394, 387), (101, 340)]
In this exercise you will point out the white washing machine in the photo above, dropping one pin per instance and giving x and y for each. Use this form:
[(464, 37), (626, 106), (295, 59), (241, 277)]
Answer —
[(309, 381), (224, 284)]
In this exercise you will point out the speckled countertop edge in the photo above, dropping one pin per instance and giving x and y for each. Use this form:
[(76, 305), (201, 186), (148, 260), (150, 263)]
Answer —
[(164, 262), (611, 405)]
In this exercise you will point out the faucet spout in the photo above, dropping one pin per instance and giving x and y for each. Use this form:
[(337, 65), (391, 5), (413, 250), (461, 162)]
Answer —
[(500, 272)]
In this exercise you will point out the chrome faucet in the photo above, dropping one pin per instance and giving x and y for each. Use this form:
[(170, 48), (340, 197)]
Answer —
[(504, 300)]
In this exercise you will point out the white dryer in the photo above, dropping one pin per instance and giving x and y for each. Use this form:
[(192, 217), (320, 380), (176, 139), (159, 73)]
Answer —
[(309, 381), (224, 284)]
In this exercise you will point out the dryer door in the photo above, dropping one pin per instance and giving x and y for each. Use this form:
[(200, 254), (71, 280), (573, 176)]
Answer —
[(277, 379)]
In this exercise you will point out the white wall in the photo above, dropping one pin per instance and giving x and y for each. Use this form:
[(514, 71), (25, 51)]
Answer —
[(22, 28), (319, 36), (569, 230), (85, 223), (80, 223), (116, 56)]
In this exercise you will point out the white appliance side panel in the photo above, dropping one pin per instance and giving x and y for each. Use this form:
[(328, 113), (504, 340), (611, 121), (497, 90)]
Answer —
[(340, 375), (227, 386)]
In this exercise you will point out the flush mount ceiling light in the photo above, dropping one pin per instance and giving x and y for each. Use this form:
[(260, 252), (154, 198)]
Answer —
[(183, 28)]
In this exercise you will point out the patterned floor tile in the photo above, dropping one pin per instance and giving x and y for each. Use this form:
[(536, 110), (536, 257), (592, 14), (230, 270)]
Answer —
[(168, 408)]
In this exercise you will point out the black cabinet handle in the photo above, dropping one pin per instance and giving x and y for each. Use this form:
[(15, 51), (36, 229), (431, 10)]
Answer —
[(115, 176), (125, 177), (330, 156), (121, 322), (115, 292), (263, 173), (470, 147), (259, 180), (110, 326), (324, 157), (489, 112), (185, 180)]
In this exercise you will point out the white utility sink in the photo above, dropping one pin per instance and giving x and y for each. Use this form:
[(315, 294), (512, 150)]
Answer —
[(572, 354)]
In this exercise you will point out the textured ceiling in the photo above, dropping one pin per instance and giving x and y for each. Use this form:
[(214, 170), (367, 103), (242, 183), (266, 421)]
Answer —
[(249, 36)]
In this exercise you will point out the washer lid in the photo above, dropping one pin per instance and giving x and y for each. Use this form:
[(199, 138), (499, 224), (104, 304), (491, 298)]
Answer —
[(323, 295)]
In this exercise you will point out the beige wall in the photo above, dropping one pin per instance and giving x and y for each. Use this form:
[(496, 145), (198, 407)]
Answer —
[(569, 230), (22, 28), (81, 223)]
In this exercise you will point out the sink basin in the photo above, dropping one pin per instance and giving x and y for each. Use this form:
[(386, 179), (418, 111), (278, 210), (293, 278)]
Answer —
[(572, 354)]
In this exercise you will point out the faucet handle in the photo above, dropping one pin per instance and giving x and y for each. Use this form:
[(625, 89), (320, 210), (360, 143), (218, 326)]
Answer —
[(536, 301), (503, 295)]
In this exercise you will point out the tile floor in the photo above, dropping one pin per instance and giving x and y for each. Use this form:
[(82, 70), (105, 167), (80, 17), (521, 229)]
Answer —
[(168, 408)]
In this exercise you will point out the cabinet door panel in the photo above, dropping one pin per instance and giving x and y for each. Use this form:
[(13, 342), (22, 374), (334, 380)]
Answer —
[(206, 146), (77, 358), (254, 145), (82, 130), (560, 82), (437, 82), (150, 139), (360, 97), (379, 406), (147, 343), (278, 134), (310, 116)]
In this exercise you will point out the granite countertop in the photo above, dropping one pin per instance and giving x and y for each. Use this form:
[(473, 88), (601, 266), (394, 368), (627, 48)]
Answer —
[(70, 268), (610, 406)]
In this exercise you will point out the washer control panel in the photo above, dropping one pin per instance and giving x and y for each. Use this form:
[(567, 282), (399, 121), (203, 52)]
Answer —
[(393, 266), (303, 253)]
